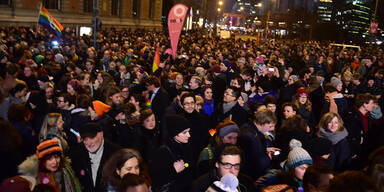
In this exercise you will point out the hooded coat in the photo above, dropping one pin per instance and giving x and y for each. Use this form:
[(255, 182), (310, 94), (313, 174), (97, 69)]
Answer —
[(63, 180)]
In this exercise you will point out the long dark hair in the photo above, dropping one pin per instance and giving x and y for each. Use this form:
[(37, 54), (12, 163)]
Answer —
[(117, 161)]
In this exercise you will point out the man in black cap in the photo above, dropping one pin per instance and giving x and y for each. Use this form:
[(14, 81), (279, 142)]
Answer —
[(88, 158)]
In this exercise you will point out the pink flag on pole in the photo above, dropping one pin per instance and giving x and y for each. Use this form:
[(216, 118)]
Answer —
[(176, 18)]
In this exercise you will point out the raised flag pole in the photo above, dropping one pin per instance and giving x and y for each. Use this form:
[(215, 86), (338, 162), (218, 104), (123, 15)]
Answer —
[(38, 17)]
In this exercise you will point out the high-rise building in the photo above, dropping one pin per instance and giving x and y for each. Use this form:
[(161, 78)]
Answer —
[(354, 17), (324, 11)]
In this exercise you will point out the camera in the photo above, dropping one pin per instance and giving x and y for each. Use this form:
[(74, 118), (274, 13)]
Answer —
[(276, 153), (271, 69)]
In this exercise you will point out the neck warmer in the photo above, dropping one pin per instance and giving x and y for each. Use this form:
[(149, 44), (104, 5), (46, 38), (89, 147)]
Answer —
[(228, 106), (334, 137)]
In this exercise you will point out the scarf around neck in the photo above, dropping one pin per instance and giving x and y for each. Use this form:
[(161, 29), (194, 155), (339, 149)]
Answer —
[(333, 137), (228, 106)]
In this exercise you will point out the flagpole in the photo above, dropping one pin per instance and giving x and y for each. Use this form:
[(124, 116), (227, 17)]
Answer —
[(37, 23)]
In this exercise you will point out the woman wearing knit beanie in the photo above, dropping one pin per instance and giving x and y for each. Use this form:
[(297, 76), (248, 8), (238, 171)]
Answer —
[(49, 167), (291, 177), (227, 132), (304, 106), (296, 164), (172, 166)]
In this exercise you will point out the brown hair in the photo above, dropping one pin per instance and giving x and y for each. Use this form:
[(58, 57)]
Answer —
[(362, 99), (110, 92), (265, 116), (328, 118), (45, 158), (117, 161)]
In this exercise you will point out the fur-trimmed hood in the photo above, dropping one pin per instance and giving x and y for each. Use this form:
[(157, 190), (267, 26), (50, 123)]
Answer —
[(30, 166)]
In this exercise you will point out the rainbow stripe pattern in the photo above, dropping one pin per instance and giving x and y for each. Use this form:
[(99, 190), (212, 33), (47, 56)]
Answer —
[(49, 22), (156, 60)]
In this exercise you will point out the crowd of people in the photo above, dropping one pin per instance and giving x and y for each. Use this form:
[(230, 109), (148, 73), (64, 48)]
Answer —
[(222, 115)]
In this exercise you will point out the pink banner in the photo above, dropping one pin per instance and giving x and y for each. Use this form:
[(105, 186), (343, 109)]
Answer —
[(176, 18)]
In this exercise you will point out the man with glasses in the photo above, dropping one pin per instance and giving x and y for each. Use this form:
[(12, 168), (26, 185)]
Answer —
[(231, 109), (200, 123), (227, 160), (64, 107)]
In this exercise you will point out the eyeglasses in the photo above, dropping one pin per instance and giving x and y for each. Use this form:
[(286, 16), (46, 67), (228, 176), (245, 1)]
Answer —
[(190, 103), (229, 165), (228, 93), (60, 101)]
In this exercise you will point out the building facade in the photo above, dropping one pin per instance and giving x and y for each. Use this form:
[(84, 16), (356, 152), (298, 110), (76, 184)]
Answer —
[(112, 13), (356, 18)]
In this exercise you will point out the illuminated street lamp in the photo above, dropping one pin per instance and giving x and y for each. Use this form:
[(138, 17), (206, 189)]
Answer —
[(259, 5), (220, 3), (218, 9), (241, 8)]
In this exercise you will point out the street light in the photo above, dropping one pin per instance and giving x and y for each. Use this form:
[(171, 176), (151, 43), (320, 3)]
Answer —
[(259, 5), (218, 9), (241, 8), (220, 3)]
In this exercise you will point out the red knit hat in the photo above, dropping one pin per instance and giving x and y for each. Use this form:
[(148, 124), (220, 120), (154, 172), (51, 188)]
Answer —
[(301, 92), (47, 147)]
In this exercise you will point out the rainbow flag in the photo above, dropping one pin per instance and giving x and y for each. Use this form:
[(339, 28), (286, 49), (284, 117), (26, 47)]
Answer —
[(148, 104), (156, 60), (49, 22)]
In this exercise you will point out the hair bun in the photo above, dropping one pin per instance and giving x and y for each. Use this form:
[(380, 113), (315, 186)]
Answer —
[(294, 143)]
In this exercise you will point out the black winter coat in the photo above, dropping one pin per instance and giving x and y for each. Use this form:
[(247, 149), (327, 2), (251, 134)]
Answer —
[(81, 164), (199, 131), (237, 114), (340, 158), (161, 169), (356, 136), (254, 145)]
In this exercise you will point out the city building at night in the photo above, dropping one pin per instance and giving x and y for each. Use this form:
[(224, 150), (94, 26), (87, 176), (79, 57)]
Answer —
[(116, 13)]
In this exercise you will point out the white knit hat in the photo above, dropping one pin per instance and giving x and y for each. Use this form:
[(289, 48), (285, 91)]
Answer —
[(297, 156)]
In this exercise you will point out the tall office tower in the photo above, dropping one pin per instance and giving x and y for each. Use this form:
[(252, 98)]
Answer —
[(324, 11), (354, 16)]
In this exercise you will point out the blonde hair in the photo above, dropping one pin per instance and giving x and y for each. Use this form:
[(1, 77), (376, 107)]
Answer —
[(49, 125), (327, 118)]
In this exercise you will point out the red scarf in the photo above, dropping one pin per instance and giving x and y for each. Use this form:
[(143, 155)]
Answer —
[(364, 119)]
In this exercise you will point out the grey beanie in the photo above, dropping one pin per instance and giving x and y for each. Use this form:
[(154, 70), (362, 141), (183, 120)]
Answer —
[(297, 156), (244, 96), (228, 129), (335, 81)]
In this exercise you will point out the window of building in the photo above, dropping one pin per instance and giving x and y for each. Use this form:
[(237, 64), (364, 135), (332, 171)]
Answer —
[(151, 9), (136, 8), (115, 7), (88, 6), (5, 2), (51, 4)]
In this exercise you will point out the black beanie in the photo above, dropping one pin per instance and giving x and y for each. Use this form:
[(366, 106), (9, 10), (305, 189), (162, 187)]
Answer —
[(176, 124)]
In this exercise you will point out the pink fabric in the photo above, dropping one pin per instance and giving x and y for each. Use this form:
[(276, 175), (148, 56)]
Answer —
[(176, 18)]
